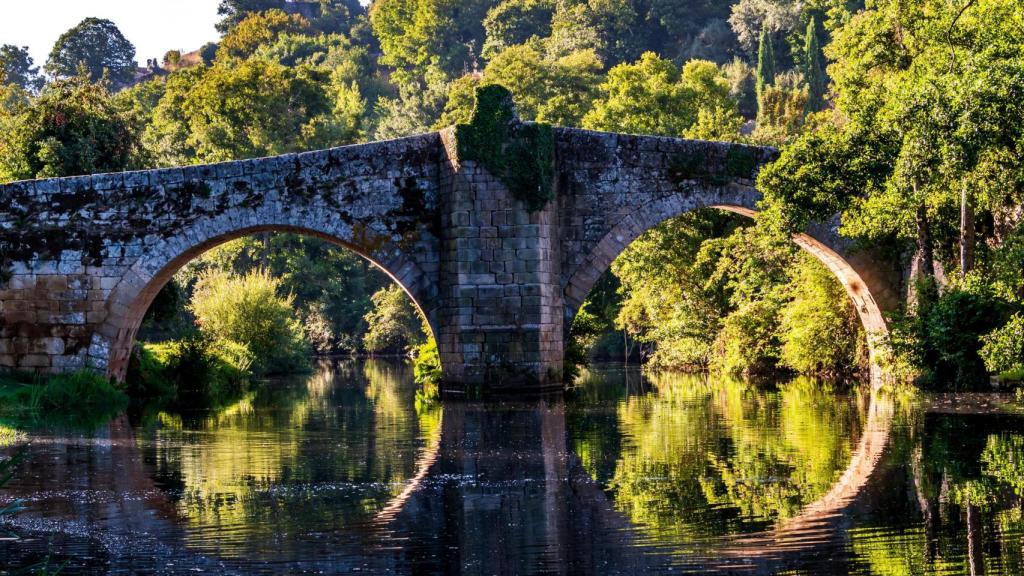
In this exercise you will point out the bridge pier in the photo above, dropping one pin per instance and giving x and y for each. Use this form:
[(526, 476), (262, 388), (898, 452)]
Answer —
[(500, 324)]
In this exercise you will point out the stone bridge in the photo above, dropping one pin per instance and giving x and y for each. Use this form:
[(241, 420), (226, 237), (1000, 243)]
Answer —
[(498, 279)]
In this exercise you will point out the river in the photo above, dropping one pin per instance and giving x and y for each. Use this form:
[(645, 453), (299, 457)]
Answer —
[(348, 471)]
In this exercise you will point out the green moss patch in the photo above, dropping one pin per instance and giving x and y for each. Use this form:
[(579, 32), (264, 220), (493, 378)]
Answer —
[(739, 162), (521, 156)]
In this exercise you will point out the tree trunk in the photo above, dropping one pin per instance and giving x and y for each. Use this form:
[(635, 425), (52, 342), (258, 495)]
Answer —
[(967, 236), (265, 252), (923, 503), (924, 242), (975, 556)]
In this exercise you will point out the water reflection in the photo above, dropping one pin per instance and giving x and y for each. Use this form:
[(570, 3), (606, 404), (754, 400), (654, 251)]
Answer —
[(704, 457), (345, 470)]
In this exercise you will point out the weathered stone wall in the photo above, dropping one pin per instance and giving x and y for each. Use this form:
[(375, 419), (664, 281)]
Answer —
[(501, 315), (82, 258), (614, 187)]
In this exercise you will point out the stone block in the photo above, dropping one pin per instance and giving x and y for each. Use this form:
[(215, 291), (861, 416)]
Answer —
[(34, 361), (51, 346)]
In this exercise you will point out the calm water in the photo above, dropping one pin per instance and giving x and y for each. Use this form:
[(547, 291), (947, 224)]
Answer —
[(346, 471)]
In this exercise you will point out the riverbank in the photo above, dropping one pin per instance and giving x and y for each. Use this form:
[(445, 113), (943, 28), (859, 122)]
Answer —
[(78, 399)]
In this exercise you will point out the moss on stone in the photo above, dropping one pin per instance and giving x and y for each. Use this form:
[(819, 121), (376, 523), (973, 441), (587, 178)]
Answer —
[(739, 162), (520, 155), (685, 167)]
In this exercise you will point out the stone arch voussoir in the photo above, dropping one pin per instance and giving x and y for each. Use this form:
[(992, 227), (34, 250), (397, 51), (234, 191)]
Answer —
[(866, 285), (163, 257)]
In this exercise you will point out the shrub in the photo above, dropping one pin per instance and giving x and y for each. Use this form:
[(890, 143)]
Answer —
[(172, 57), (319, 330), (146, 379), (427, 364), (899, 352), (748, 342), (819, 328), (393, 322), (247, 310), (952, 331), (208, 52), (199, 370), (1002, 350), (585, 331)]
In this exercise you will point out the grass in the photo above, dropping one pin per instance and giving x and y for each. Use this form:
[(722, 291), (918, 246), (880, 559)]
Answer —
[(1015, 375), (9, 436), (79, 400)]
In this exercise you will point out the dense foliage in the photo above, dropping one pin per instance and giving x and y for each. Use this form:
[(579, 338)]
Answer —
[(901, 117), (73, 127), (97, 46), (394, 323), (251, 312)]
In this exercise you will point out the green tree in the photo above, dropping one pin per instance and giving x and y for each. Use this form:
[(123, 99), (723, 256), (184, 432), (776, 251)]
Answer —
[(208, 52), (249, 310), (460, 101), (652, 96), (750, 19), (394, 323), (782, 110), (750, 271), (234, 11), (18, 68), (74, 127), (514, 22), (608, 27), (1003, 348), (765, 74), (259, 29), (818, 326), (934, 79), (418, 34), (814, 69), (257, 108), (690, 28), (327, 16), (557, 91), (667, 305), (952, 331), (646, 97), (416, 109), (98, 45), (718, 115)]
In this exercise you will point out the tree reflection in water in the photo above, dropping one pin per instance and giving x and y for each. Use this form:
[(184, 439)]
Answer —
[(345, 469), (702, 457), (266, 468)]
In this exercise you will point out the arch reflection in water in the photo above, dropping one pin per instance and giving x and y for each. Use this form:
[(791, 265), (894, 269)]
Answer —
[(343, 470)]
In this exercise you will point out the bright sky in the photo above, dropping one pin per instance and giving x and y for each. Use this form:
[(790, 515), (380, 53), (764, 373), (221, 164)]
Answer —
[(153, 26)]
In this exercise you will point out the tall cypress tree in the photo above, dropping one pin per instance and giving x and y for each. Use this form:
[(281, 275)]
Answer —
[(814, 69), (765, 73)]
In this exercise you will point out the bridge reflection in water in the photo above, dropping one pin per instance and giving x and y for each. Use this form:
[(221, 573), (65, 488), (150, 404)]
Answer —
[(349, 471)]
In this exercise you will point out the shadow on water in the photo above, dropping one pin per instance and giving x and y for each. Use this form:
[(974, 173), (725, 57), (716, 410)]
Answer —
[(347, 469)]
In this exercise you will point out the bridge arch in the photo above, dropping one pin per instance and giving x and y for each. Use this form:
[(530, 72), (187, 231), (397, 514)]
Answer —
[(859, 276), (82, 257), (140, 283)]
